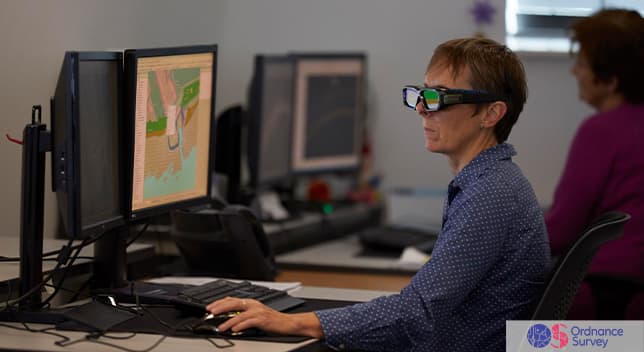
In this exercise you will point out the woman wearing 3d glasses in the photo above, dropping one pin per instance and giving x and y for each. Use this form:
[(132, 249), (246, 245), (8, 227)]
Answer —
[(605, 166), (489, 262)]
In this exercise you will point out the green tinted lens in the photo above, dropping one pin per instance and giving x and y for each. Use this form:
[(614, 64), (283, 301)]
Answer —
[(431, 98)]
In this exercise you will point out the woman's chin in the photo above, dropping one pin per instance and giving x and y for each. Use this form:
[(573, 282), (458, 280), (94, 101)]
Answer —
[(432, 147)]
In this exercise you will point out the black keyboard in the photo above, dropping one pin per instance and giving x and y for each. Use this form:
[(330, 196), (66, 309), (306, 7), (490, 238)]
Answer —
[(397, 239), (198, 297)]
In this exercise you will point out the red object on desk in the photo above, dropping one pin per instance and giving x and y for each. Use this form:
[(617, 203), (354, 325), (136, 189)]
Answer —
[(319, 191)]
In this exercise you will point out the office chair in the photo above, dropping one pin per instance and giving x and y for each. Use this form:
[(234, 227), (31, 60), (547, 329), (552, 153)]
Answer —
[(570, 269), (617, 297)]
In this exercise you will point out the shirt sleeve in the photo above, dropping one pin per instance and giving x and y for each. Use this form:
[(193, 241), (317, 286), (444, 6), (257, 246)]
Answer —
[(584, 177), (470, 243)]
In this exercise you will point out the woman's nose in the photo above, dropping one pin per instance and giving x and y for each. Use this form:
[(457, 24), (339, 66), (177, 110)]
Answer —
[(420, 109)]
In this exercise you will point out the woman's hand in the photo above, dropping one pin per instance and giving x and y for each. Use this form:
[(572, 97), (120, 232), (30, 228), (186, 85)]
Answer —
[(254, 314)]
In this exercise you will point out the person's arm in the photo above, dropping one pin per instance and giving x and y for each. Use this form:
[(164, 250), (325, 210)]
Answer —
[(255, 314), (581, 185)]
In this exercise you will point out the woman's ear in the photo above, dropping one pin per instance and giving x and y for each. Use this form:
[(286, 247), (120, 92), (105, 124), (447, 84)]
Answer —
[(493, 113), (612, 84)]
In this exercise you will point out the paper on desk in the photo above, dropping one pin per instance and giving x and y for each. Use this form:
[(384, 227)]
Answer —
[(195, 280), (413, 255)]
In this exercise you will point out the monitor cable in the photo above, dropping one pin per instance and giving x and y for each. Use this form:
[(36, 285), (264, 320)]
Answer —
[(70, 262), (62, 258), (46, 331), (141, 232)]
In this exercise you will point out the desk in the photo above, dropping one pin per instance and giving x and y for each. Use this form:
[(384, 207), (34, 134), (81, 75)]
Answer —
[(343, 254), (15, 340), (337, 279), (337, 263)]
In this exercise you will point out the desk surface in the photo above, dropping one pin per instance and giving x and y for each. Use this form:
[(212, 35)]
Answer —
[(19, 340), (343, 254)]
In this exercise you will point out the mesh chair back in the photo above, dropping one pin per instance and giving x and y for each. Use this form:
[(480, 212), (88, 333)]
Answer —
[(570, 269)]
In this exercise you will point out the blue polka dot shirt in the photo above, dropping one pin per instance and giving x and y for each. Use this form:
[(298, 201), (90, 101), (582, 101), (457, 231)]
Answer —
[(488, 266)]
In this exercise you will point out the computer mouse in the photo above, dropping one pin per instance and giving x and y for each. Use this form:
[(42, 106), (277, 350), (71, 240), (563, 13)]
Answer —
[(209, 325)]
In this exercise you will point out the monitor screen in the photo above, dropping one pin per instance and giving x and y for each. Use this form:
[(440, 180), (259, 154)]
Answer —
[(270, 120), (329, 112), (170, 105), (85, 142)]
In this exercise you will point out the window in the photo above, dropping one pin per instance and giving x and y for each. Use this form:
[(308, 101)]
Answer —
[(542, 25)]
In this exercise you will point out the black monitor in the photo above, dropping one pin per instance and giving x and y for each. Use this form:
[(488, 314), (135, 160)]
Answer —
[(85, 113), (170, 100), (270, 118), (328, 112)]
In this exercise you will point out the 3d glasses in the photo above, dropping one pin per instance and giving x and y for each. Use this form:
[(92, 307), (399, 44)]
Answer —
[(435, 99)]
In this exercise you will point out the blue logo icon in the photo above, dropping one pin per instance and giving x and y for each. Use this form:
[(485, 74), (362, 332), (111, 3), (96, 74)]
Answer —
[(539, 335)]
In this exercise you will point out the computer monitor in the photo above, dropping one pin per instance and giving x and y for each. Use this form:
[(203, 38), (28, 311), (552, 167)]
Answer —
[(328, 113), (170, 100), (85, 115), (270, 119)]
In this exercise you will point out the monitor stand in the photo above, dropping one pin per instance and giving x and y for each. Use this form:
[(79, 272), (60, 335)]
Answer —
[(36, 142)]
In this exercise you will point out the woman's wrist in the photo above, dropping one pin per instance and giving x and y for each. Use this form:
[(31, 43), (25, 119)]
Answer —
[(307, 324)]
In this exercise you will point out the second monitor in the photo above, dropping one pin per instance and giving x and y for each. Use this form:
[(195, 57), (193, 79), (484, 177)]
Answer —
[(328, 112), (169, 109)]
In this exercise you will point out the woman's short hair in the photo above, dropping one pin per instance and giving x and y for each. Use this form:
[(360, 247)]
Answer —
[(493, 68), (613, 42)]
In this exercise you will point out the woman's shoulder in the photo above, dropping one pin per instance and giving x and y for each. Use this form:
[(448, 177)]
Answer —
[(615, 122), (627, 113)]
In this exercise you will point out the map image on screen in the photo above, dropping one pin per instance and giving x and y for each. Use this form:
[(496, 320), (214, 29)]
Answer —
[(170, 131), (172, 115)]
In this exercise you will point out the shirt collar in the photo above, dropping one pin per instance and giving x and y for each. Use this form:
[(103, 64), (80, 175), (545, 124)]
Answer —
[(477, 167)]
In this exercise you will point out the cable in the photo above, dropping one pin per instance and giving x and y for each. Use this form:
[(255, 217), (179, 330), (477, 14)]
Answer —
[(46, 331), (126, 337), (129, 242), (214, 343), (94, 338), (62, 289), (17, 259), (59, 285), (80, 289), (62, 259), (10, 303), (6, 304)]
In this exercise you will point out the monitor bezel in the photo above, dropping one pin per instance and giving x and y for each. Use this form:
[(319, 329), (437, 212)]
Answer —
[(296, 161), (131, 64), (255, 111), (69, 177)]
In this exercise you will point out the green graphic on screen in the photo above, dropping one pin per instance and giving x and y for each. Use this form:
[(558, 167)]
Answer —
[(171, 132)]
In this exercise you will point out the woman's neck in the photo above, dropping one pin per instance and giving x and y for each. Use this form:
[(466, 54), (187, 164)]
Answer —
[(611, 102)]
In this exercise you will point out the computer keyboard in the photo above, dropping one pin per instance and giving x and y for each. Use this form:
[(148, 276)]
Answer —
[(198, 297), (397, 238)]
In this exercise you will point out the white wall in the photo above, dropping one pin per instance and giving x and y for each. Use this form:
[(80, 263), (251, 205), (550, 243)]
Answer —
[(398, 37)]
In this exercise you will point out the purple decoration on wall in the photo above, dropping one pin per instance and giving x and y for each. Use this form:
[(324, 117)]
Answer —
[(483, 12)]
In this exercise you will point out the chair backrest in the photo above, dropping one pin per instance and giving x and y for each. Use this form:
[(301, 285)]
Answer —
[(567, 274)]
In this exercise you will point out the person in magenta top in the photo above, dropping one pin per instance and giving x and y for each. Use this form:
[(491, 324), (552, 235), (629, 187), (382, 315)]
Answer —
[(605, 166)]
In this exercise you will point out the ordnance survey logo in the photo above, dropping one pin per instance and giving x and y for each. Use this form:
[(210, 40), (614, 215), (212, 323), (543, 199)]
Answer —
[(575, 335), (540, 335)]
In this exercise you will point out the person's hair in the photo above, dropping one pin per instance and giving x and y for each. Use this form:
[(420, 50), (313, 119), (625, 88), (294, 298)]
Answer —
[(493, 68), (613, 42)]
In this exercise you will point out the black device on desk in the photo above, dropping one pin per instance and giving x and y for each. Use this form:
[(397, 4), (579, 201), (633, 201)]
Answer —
[(396, 239), (225, 243)]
